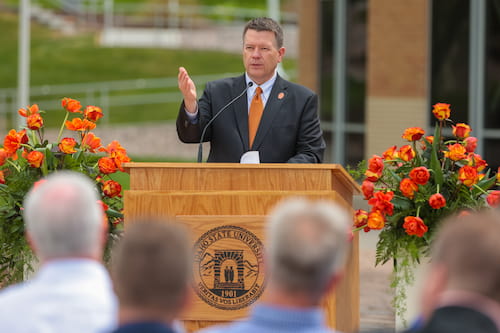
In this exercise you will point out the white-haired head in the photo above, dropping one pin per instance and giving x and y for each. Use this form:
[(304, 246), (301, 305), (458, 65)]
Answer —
[(307, 245), (63, 217)]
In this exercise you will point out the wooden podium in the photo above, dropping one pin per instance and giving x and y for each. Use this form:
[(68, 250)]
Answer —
[(225, 206)]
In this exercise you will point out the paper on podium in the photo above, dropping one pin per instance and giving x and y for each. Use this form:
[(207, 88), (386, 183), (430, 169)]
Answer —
[(250, 157)]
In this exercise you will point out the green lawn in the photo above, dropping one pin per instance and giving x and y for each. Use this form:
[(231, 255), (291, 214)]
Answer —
[(59, 59)]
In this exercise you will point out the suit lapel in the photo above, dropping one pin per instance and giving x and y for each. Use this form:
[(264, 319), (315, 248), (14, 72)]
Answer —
[(241, 110), (273, 106)]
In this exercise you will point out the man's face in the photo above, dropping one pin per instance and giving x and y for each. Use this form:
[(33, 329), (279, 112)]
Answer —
[(261, 55)]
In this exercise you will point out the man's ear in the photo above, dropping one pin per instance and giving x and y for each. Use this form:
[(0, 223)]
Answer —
[(281, 52)]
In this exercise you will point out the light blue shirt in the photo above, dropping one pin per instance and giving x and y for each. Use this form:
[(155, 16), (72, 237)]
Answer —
[(266, 89), (70, 295), (270, 319)]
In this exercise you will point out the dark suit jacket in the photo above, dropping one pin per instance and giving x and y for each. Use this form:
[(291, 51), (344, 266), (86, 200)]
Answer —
[(144, 327), (289, 130), (457, 319)]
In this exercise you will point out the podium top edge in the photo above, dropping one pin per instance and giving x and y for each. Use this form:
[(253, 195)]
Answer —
[(335, 168), (131, 165)]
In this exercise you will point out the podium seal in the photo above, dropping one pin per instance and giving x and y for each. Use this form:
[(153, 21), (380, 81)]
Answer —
[(228, 267)]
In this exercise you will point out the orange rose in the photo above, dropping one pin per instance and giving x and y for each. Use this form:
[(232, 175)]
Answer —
[(77, 124), (367, 187), (30, 110), (437, 201), (106, 165), (382, 202), (93, 113), (413, 133), (111, 189), (493, 199), (375, 164), (121, 158), (477, 161), (67, 145), (34, 121), (376, 220), (13, 141), (468, 175), (415, 226), (372, 176), (2, 177), (441, 111), (420, 175), (4, 155), (35, 158), (91, 142), (71, 105), (455, 152), (390, 154), (408, 188), (360, 218), (461, 131), (117, 153), (430, 139), (406, 153), (470, 144)]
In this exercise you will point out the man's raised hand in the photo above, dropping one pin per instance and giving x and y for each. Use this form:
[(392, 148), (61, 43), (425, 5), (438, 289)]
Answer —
[(188, 90)]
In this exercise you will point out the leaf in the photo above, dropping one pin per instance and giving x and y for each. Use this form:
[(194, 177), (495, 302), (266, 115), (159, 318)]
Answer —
[(484, 184), (434, 164)]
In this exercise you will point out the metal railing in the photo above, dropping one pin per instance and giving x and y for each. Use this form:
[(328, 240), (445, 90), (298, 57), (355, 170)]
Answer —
[(108, 95)]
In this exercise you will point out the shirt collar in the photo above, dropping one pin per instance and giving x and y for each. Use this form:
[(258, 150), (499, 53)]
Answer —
[(266, 86), (289, 317)]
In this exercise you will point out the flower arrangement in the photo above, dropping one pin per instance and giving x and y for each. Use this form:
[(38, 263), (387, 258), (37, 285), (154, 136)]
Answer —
[(412, 188), (26, 157)]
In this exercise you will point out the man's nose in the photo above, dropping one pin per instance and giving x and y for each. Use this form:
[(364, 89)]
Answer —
[(256, 53)]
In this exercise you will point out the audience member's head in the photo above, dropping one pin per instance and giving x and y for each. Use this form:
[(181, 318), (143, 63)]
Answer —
[(465, 257), (63, 217), (151, 270), (307, 247)]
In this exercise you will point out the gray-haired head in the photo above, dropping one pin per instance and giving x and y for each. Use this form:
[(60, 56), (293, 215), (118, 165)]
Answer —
[(265, 24), (63, 217), (307, 245)]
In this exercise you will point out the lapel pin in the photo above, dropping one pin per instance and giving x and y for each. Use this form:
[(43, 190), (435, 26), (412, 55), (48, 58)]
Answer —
[(281, 95)]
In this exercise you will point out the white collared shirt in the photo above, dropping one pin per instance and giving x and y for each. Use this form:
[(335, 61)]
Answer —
[(70, 295), (266, 89)]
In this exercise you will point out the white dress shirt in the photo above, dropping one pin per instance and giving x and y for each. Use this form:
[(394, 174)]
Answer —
[(70, 295)]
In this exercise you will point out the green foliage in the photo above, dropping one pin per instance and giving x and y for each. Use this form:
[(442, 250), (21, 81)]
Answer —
[(451, 169), (60, 59), (20, 170)]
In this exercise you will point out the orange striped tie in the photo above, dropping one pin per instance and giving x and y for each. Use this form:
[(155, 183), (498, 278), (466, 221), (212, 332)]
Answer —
[(256, 110)]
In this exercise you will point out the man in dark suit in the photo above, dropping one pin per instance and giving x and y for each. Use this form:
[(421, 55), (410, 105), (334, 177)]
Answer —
[(151, 275), (462, 290), (288, 129)]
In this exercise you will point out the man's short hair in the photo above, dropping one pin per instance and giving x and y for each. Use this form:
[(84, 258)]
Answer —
[(307, 244), (151, 266), (63, 217), (469, 247), (265, 24)]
